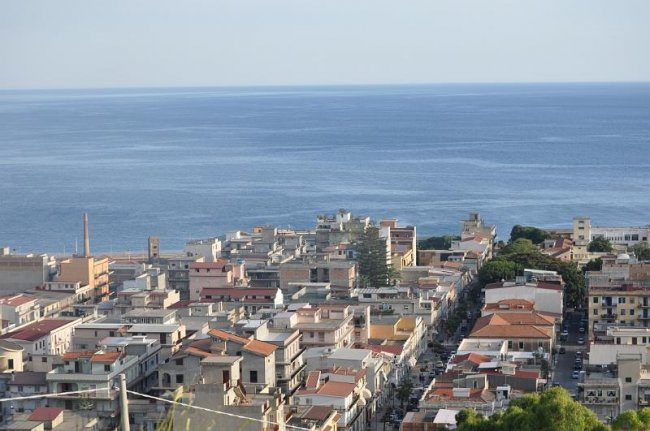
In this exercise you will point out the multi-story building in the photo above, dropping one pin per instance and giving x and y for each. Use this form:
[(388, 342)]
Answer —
[(242, 407), (627, 236), (320, 326), (345, 392), (20, 273), (203, 275), (340, 274), (403, 243), (95, 370), (89, 271), (289, 363), (47, 336), (258, 367), (612, 393), (547, 297), (18, 310), (251, 299)]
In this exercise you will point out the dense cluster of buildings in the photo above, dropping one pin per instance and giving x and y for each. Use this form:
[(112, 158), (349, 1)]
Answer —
[(271, 329)]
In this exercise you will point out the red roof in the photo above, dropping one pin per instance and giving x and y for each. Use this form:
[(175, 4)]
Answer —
[(16, 300), (394, 349), (45, 414), (209, 265), (37, 330)]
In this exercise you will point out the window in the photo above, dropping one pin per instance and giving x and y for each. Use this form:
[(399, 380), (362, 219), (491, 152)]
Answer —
[(107, 368), (179, 378), (628, 380), (253, 376), (628, 397), (622, 311), (44, 359), (521, 345), (595, 300), (632, 312), (595, 312), (621, 300), (179, 361), (10, 365), (367, 295), (510, 344)]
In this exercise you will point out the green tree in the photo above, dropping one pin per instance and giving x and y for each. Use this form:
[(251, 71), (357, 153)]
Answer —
[(518, 246), (532, 233), (593, 265), (628, 421), (553, 410), (498, 269), (374, 271), (404, 391), (641, 250), (600, 244), (437, 242)]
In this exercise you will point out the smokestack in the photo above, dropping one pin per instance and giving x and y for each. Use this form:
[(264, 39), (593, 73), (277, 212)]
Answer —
[(86, 237)]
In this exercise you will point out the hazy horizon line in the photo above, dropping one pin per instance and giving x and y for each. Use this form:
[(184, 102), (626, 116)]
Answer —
[(323, 85)]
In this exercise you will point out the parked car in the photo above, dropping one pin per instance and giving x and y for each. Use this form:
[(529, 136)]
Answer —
[(582, 330), (565, 333), (439, 364), (576, 374), (562, 350), (581, 340)]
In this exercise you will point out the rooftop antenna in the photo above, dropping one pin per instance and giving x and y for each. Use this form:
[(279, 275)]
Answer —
[(86, 237)]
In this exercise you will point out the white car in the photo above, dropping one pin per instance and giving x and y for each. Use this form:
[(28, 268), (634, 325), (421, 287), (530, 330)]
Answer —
[(576, 374), (581, 340), (565, 333)]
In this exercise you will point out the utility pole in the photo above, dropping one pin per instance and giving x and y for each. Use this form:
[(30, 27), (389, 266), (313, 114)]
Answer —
[(124, 405)]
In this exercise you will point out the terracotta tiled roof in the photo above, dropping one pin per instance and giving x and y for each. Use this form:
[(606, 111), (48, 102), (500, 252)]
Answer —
[(318, 413), (45, 414), (70, 356), (106, 357), (334, 389), (254, 346), (313, 378), (474, 358), (394, 349), (260, 347), (209, 265), (513, 319), (227, 336), (37, 330), (512, 331), (16, 300)]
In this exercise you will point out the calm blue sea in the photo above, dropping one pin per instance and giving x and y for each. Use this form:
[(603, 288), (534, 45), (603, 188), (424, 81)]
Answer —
[(191, 163)]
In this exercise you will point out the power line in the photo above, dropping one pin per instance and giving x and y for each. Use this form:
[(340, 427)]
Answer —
[(49, 395), (220, 412)]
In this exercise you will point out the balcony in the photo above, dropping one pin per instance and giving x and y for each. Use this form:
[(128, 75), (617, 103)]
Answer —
[(642, 317), (608, 305), (642, 305), (609, 316)]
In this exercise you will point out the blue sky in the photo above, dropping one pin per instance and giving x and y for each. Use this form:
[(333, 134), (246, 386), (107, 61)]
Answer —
[(126, 43)]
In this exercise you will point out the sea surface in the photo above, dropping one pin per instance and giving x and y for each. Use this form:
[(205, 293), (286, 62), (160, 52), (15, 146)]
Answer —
[(191, 163)]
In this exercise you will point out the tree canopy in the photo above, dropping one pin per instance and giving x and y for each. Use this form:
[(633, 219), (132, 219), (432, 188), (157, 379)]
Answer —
[(521, 254), (553, 410), (437, 242), (374, 271), (593, 265), (536, 235), (641, 250), (600, 244), (632, 420)]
